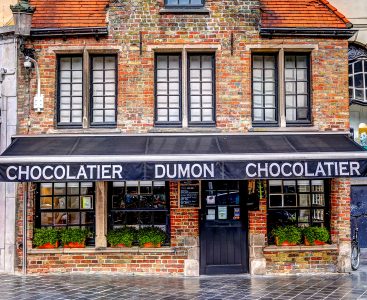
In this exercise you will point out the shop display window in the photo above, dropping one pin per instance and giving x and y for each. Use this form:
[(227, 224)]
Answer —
[(138, 204), (64, 205), (297, 202)]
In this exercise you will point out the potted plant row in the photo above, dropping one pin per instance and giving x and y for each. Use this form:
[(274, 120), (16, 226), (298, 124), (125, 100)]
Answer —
[(147, 237), (47, 238), (291, 235)]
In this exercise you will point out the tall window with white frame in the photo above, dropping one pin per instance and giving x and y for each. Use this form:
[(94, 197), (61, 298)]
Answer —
[(358, 80), (292, 104), (193, 100), (76, 109)]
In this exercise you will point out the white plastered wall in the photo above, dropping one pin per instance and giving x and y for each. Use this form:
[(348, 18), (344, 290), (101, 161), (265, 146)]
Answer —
[(8, 105)]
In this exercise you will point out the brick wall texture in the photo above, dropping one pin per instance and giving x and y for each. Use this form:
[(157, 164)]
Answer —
[(294, 262), (230, 30)]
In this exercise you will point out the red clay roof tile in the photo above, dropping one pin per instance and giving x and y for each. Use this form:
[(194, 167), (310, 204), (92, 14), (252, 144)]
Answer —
[(69, 13), (275, 13), (301, 13)]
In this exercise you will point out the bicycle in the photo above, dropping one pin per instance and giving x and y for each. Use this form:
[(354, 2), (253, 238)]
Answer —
[(355, 248)]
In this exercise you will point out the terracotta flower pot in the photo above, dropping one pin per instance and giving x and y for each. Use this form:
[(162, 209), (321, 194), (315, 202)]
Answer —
[(120, 246), (49, 246), (75, 245), (316, 242), (151, 245), (285, 243)]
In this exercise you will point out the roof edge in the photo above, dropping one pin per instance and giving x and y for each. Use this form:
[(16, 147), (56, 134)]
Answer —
[(307, 32), (69, 31)]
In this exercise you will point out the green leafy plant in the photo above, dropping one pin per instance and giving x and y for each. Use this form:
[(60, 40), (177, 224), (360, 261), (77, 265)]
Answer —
[(289, 233), (126, 236), (42, 236), (315, 233), (74, 235), (152, 235)]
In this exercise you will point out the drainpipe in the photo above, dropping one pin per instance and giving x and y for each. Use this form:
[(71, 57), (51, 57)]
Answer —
[(25, 197)]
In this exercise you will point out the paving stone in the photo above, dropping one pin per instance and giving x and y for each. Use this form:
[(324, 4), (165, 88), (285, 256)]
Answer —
[(119, 286)]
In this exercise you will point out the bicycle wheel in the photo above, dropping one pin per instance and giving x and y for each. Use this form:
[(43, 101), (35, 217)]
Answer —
[(355, 257)]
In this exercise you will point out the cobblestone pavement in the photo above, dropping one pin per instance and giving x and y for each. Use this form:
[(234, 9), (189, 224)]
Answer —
[(92, 286)]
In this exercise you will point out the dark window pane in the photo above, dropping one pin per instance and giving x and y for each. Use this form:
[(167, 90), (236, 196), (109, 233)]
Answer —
[(160, 218), (358, 67), (358, 80), (275, 201), (290, 200), (359, 94), (350, 68), (146, 218)]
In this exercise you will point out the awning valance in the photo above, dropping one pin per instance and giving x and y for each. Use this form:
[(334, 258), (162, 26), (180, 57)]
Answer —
[(176, 157)]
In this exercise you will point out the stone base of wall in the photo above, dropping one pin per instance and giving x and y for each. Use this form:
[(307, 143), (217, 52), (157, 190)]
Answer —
[(301, 259), (131, 260)]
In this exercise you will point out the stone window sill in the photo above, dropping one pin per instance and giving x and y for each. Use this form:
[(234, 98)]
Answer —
[(202, 11), (136, 250), (300, 248)]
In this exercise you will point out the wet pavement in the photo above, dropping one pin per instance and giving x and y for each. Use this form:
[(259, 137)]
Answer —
[(118, 286)]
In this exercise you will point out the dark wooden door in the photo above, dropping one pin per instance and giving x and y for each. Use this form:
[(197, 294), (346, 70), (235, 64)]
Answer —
[(223, 228)]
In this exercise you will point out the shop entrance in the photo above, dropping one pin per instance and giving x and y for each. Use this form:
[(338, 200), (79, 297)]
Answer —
[(223, 228)]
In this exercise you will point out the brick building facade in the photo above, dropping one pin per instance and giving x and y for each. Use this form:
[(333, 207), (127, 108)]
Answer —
[(145, 43)]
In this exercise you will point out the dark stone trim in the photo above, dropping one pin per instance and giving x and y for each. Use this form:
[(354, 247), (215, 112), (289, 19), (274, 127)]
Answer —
[(357, 102), (200, 11), (69, 31), (307, 32)]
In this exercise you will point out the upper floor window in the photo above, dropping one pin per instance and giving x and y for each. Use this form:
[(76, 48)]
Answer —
[(358, 79), (195, 104), (82, 102), (357, 56), (184, 3), (273, 100)]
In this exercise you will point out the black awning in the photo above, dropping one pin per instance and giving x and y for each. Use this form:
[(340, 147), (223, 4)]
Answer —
[(158, 157)]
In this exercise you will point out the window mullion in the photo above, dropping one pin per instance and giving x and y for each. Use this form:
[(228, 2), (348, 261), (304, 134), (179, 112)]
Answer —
[(86, 89), (185, 86), (281, 89)]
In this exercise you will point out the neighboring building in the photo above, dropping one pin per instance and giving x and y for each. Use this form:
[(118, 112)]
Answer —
[(6, 16), (356, 12), (8, 123), (214, 120)]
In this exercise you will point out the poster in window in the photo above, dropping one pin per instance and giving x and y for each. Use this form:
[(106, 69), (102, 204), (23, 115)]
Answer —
[(222, 212), (86, 202), (189, 192)]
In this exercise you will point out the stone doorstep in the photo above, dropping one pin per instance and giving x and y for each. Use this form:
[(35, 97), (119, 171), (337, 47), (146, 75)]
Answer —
[(300, 248), (104, 250)]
